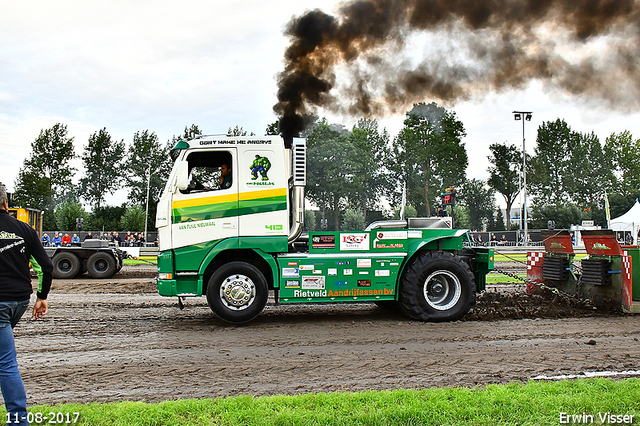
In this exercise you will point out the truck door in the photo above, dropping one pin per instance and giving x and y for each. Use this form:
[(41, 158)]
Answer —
[(208, 209)]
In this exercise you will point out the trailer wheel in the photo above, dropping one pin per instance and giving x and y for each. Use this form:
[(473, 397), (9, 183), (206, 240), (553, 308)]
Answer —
[(437, 286), (101, 265), (65, 265), (237, 292)]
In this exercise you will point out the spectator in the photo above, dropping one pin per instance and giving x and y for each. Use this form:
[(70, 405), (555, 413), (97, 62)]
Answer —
[(46, 241), (628, 238), (19, 247), (88, 236), (141, 240), (57, 241), (117, 239), (75, 239), (66, 240), (503, 239), (494, 240)]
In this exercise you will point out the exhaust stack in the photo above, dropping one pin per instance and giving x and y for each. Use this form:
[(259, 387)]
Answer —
[(298, 182)]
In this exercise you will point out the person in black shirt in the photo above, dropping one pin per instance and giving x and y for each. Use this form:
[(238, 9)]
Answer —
[(19, 245)]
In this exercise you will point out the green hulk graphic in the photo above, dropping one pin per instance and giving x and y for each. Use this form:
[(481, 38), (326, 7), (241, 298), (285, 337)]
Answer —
[(260, 165)]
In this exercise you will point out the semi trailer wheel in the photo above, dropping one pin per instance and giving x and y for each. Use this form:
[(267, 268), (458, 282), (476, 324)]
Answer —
[(237, 292), (101, 265), (65, 265), (437, 286)]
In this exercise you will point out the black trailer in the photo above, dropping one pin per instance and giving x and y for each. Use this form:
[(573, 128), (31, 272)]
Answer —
[(94, 256)]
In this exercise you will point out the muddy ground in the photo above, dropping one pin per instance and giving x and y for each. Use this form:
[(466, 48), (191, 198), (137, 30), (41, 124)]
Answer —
[(116, 339)]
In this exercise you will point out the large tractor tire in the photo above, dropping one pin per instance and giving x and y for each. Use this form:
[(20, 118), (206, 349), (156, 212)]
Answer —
[(437, 286), (237, 292), (101, 265), (66, 265)]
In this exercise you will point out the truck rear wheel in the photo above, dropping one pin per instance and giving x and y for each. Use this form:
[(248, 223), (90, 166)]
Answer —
[(101, 265), (237, 292), (437, 286), (65, 265)]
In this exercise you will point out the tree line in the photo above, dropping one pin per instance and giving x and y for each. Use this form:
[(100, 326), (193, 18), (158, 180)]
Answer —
[(353, 175)]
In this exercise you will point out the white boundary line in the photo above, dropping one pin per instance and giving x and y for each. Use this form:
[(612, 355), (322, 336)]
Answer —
[(588, 374)]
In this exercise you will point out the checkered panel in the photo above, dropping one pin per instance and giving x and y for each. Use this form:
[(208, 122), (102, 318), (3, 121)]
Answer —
[(534, 258)]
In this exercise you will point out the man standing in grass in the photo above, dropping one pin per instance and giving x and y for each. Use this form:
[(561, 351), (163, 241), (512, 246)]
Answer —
[(19, 245)]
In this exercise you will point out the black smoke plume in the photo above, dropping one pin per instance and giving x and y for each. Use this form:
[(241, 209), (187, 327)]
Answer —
[(364, 61)]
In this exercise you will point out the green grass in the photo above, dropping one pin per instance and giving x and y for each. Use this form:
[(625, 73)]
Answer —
[(140, 261), (534, 403), (499, 278), (523, 257)]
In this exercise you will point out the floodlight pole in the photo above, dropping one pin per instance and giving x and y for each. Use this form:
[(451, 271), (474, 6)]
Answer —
[(146, 211), (524, 116)]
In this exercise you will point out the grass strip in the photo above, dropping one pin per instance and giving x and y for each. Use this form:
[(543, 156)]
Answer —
[(499, 278), (520, 257), (141, 261), (533, 403)]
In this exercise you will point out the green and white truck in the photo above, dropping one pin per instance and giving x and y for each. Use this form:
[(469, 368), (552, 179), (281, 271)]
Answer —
[(230, 227)]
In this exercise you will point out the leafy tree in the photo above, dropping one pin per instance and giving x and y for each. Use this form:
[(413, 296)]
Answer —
[(46, 175), (549, 175), (479, 203), (461, 216), (330, 165), (409, 211), (106, 218), (133, 219), (102, 159), (564, 215), (353, 219), (498, 223), (238, 131), (623, 152), (310, 220), (505, 169), (33, 190), (147, 163), (66, 215), (429, 155), (591, 171), (370, 177)]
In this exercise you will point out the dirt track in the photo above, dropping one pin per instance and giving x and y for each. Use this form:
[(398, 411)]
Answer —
[(111, 340)]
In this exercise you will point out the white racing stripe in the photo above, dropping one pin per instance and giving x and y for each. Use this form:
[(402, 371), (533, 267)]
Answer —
[(588, 374)]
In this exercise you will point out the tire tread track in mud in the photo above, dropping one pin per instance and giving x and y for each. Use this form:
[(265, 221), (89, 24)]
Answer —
[(116, 339)]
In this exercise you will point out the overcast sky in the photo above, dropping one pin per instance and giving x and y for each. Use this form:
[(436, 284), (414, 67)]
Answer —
[(160, 65)]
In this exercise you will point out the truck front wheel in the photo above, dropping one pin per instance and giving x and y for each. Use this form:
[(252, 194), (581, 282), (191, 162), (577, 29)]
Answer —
[(101, 265), (437, 286), (237, 292), (65, 265)]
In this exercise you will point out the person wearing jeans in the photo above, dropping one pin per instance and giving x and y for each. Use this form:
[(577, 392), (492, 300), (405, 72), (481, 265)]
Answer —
[(19, 247)]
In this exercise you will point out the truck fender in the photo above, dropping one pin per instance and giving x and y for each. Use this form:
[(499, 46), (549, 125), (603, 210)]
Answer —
[(228, 246), (414, 249)]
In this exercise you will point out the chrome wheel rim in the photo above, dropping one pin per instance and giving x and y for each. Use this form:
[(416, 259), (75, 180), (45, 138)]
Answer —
[(442, 290), (237, 292)]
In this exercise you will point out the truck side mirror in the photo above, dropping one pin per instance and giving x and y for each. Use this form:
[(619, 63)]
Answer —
[(182, 175)]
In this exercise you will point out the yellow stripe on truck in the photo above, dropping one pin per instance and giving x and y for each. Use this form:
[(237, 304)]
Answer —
[(229, 198)]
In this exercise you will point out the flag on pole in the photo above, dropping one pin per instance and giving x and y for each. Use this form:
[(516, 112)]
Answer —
[(607, 209)]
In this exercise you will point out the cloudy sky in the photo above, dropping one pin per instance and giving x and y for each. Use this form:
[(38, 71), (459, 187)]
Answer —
[(163, 64)]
